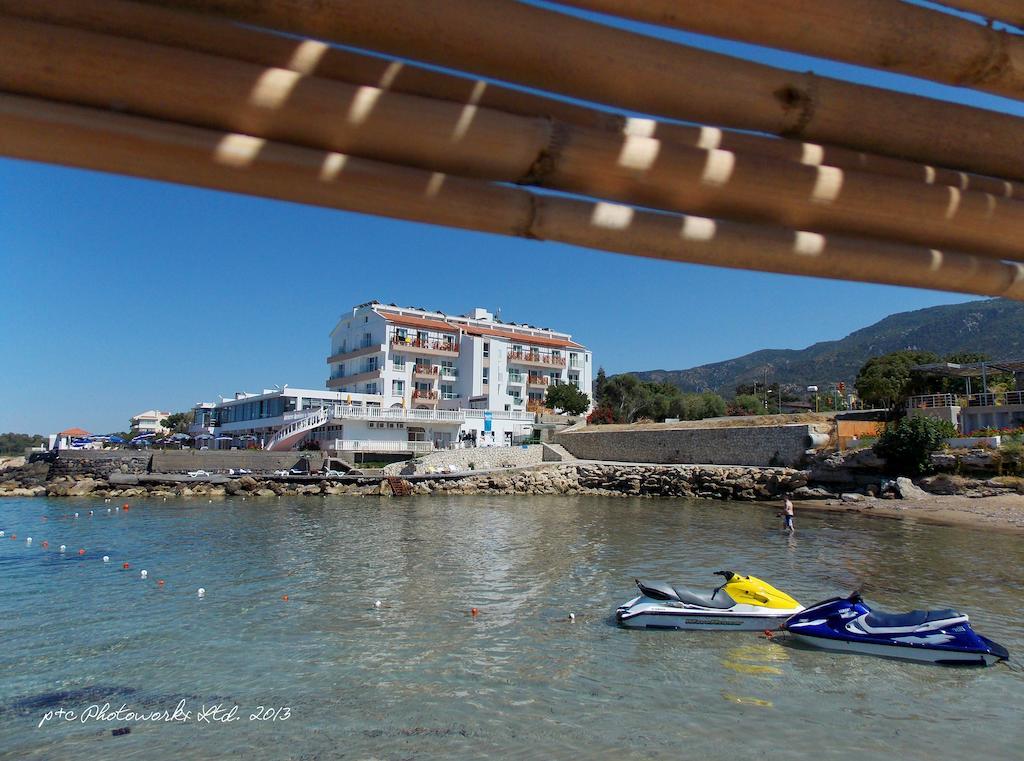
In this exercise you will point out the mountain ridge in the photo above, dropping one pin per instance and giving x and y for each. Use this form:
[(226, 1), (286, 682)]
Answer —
[(993, 326)]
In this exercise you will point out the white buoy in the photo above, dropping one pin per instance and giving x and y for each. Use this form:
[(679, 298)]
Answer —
[(572, 616), (62, 548), (76, 515), (28, 540), (2, 533), (144, 574), (201, 592), (90, 512), (106, 558), (108, 509)]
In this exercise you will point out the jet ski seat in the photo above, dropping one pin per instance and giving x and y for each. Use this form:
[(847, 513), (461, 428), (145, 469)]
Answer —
[(719, 598), (879, 619)]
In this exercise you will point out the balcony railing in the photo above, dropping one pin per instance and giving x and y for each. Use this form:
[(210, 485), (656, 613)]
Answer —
[(991, 399), (536, 358), (538, 380), (341, 356), (362, 445), (419, 395), (426, 370), (411, 344), (525, 417), (397, 413)]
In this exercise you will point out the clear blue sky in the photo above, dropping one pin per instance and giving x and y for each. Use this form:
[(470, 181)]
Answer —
[(119, 295)]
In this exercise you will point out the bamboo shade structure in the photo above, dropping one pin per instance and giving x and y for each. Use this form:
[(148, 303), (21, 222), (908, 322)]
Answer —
[(207, 34), (63, 63), (883, 34), (107, 141), (1008, 11), (918, 193), (539, 48)]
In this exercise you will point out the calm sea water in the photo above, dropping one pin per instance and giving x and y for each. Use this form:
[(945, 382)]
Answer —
[(420, 678)]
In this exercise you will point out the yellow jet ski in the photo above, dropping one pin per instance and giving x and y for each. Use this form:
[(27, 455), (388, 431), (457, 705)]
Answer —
[(742, 603)]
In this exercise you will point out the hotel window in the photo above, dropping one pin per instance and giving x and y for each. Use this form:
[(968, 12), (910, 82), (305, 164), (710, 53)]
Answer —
[(514, 393), (398, 361), (367, 340), (421, 336), (554, 378), (422, 388), (536, 396), (487, 349), (447, 368), (574, 360), (398, 388), (486, 376), (574, 379), (370, 365), (400, 334), (371, 388), (448, 391)]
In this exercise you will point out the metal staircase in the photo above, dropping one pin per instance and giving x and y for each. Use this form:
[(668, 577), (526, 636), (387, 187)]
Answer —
[(296, 430)]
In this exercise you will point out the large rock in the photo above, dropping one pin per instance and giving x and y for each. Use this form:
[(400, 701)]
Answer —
[(906, 489), (83, 487)]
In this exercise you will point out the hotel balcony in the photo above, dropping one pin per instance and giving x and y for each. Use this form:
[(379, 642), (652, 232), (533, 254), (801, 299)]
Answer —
[(429, 348), (427, 398), (538, 381), (425, 372), (345, 380), (535, 359), (349, 412), (354, 353)]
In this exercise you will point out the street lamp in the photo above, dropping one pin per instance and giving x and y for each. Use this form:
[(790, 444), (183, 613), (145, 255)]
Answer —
[(814, 390)]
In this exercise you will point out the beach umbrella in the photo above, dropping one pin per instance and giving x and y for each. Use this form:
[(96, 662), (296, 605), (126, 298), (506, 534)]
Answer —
[(180, 436), (224, 438), (115, 439), (205, 436), (143, 438)]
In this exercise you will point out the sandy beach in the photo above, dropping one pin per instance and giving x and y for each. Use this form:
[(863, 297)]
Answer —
[(1004, 512)]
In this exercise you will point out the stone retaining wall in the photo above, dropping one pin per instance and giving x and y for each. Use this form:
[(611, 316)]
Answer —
[(99, 462), (221, 461), (759, 446), (480, 458)]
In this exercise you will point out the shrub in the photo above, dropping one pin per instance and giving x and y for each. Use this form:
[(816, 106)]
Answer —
[(907, 445), (601, 416)]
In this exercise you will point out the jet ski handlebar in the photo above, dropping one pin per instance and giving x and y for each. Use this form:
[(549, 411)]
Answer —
[(727, 575)]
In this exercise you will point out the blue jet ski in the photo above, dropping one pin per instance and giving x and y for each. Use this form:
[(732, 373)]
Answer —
[(847, 624)]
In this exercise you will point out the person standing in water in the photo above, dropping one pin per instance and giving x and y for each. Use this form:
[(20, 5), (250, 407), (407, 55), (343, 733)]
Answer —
[(788, 516)]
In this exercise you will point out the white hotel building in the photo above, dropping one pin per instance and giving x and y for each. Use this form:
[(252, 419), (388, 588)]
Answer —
[(404, 379)]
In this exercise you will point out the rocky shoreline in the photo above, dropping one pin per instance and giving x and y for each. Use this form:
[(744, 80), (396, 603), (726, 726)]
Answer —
[(738, 483)]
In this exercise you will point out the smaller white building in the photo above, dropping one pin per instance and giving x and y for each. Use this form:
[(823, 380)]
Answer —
[(149, 422)]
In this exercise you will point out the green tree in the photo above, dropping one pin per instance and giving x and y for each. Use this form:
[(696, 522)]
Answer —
[(567, 398), (599, 384), (16, 443), (908, 443), (748, 404), (886, 380), (177, 422)]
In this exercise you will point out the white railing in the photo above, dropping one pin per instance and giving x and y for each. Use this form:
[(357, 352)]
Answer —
[(526, 417), (357, 445), (313, 419), (991, 399), (397, 413)]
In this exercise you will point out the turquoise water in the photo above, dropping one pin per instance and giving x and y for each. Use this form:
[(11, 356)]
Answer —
[(420, 678)]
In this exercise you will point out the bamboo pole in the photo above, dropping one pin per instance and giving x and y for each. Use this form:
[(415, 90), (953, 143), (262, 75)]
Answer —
[(167, 26), (1008, 11), (38, 130), (62, 63), (539, 48), (883, 34)]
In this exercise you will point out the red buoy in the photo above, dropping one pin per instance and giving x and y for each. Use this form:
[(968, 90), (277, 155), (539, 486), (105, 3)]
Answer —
[(160, 583), (81, 552), (125, 566), (473, 611), (124, 506)]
